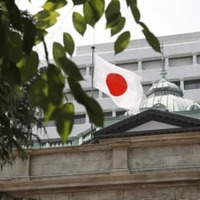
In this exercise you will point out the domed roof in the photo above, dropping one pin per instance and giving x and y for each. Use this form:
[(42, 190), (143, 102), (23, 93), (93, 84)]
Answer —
[(165, 95), (164, 87)]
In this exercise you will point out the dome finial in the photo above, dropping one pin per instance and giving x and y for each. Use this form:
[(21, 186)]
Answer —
[(163, 72)]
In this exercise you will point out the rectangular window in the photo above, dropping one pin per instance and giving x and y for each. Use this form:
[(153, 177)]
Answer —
[(79, 119), (120, 113), (182, 61), (129, 66), (191, 84), (152, 64), (198, 59), (177, 83), (107, 115)]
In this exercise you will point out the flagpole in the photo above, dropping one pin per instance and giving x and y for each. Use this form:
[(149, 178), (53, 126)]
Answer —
[(92, 84), (92, 81)]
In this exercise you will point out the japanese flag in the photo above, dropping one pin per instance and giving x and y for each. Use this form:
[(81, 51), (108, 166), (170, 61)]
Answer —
[(123, 86)]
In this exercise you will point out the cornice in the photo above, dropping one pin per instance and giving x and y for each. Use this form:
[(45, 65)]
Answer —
[(139, 141), (103, 181)]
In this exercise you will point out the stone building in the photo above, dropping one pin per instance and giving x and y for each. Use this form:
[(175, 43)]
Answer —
[(153, 155)]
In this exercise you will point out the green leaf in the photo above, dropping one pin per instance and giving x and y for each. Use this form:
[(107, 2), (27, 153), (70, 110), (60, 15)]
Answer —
[(93, 10), (122, 42), (29, 35), (46, 19), (48, 110), (135, 12), (40, 34), (15, 46), (4, 33), (116, 29), (64, 63), (64, 120), (51, 5), (79, 23), (14, 14), (68, 43), (79, 2), (70, 68), (114, 20), (130, 2), (58, 50), (27, 70), (12, 75), (38, 90), (46, 15), (89, 14), (94, 110), (151, 38), (113, 14), (56, 83), (113, 7), (44, 24)]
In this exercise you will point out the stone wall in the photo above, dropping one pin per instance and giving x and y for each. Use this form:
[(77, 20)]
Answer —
[(164, 157), (158, 167), (166, 193)]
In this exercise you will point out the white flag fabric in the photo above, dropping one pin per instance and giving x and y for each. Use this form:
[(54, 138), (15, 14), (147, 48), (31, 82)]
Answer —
[(123, 86)]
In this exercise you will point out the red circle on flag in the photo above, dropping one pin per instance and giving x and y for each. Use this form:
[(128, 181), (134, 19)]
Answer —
[(116, 83)]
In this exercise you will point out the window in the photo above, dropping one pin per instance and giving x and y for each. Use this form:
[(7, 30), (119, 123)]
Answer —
[(79, 119), (198, 59), (152, 64), (120, 113), (107, 115), (191, 84), (177, 83), (129, 66), (182, 61)]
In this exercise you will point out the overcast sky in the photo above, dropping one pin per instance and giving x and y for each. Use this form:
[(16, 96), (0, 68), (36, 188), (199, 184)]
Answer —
[(163, 17)]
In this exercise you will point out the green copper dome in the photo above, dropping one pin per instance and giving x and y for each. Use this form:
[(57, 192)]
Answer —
[(164, 87), (167, 96)]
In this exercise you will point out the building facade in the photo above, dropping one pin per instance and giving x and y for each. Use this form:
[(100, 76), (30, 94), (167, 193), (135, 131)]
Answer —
[(181, 61), (153, 155)]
